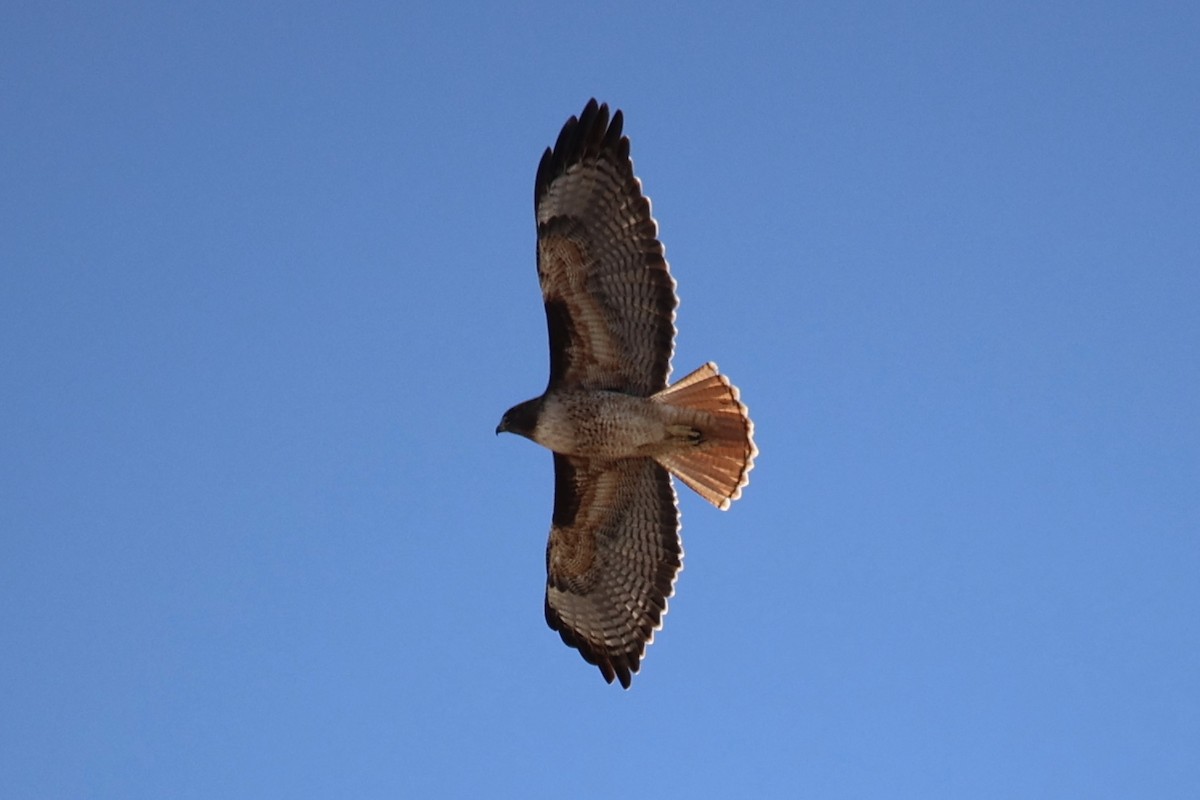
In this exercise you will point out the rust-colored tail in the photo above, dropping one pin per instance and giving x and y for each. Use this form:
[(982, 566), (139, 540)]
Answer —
[(717, 464)]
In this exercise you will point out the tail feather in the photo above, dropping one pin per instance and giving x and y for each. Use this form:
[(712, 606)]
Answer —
[(718, 465)]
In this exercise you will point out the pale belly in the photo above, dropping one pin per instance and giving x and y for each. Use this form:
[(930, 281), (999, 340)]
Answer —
[(601, 425)]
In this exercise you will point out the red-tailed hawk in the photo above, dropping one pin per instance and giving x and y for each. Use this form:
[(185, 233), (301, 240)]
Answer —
[(617, 430)]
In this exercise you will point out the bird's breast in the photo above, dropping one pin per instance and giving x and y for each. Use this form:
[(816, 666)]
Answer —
[(599, 424)]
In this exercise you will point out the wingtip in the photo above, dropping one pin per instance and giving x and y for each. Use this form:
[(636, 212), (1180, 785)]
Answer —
[(590, 133), (616, 671)]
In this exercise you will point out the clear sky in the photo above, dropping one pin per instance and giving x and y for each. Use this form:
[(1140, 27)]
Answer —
[(267, 284)]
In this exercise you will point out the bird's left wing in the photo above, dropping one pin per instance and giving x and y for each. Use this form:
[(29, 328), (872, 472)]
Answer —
[(612, 558)]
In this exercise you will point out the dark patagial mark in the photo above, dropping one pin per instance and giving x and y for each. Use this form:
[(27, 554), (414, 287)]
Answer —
[(566, 492), (562, 338)]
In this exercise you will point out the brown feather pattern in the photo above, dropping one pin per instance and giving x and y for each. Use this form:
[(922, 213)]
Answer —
[(614, 550), (612, 566), (599, 258)]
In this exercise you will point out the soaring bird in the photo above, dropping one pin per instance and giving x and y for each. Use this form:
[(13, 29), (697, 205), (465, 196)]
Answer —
[(618, 431)]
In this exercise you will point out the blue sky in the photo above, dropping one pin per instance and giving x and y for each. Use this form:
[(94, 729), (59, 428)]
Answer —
[(267, 285)]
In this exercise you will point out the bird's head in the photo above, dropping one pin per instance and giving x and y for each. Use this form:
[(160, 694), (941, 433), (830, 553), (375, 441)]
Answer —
[(521, 419)]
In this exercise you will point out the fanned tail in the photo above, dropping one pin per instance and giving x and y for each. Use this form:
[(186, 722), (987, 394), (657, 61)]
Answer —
[(717, 462)]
